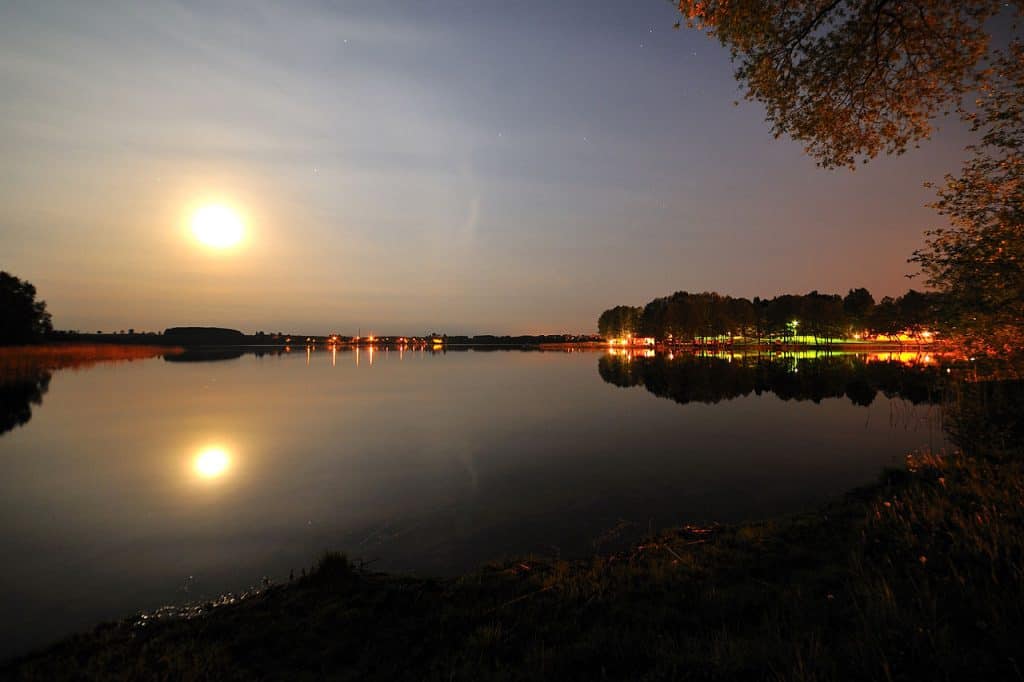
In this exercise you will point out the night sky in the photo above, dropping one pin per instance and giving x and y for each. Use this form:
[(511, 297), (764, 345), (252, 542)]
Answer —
[(401, 167)]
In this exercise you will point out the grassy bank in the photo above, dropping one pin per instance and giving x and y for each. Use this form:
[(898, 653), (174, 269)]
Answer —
[(918, 577), (20, 361)]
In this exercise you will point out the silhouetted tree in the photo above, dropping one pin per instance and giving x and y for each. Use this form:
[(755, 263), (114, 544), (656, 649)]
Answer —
[(916, 312), (885, 318), (695, 318), (857, 305), (849, 78), (978, 262), (783, 311), (23, 319)]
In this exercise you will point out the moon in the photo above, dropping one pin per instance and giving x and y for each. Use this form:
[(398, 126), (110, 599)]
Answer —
[(217, 226), (211, 462)]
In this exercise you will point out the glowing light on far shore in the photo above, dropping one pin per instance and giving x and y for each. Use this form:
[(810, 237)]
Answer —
[(632, 341), (217, 226), (211, 462)]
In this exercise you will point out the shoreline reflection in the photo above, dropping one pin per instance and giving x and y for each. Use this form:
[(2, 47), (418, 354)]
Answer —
[(711, 378)]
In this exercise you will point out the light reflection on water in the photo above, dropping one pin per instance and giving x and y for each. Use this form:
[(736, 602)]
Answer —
[(909, 358), (136, 485)]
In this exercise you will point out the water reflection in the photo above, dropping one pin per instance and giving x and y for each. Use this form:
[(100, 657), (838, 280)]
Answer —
[(434, 461), (906, 358), (708, 378), (206, 355), (17, 395), (25, 373)]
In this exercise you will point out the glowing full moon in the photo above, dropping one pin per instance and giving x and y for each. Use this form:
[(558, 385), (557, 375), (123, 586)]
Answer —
[(211, 462), (217, 226)]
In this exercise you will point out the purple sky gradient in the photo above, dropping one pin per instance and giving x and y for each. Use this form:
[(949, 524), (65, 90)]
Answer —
[(466, 167)]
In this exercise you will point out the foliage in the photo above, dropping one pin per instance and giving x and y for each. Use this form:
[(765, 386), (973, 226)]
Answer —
[(23, 319), (620, 321), (684, 317), (851, 78), (979, 259), (857, 306)]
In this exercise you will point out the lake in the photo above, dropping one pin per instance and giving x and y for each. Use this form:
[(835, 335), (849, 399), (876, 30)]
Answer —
[(132, 485)]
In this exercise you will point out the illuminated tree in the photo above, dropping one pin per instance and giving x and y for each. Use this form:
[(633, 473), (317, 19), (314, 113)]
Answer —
[(619, 321), (23, 319), (978, 261), (851, 78)]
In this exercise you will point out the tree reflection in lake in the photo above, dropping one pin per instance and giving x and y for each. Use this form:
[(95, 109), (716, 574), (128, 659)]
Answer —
[(687, 378), (18, 395), (25, 372), (179, 481)]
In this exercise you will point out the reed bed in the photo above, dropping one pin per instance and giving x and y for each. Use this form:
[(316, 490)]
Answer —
[(22, 362)]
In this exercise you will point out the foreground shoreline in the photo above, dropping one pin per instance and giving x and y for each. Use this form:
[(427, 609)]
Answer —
[(916, 577)]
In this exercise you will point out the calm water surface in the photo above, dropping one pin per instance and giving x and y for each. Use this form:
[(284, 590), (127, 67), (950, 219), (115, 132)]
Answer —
[(139, 484)]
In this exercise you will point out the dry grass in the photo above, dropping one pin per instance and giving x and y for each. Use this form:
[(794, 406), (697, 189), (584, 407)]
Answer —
[(18, 362)]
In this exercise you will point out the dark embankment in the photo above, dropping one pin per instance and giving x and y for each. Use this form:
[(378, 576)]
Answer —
[(200, 336), (918, 577)]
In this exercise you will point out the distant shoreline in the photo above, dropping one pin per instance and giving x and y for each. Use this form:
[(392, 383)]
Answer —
[(511, 342)]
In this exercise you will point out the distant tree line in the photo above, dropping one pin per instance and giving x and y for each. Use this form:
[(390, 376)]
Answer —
[(850, 79), (686, 318)]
